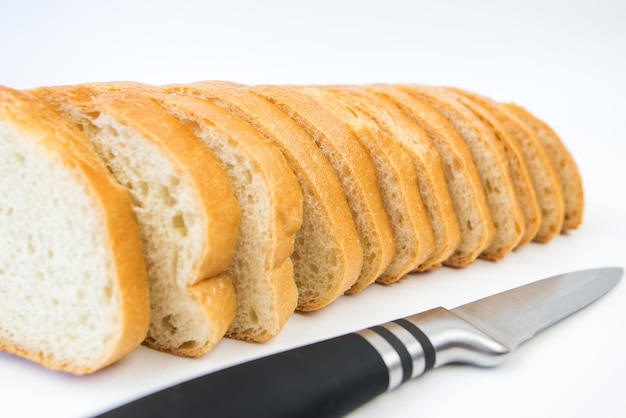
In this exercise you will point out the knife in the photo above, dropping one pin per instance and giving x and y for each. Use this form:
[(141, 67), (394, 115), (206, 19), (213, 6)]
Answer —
[(333, 377)]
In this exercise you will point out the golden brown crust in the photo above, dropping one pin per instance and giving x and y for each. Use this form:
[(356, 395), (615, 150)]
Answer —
[(394, 166), (353, 166), (468, 196), (217, 297), (193, 162), (507, 213), (316, 177), (62, 139), (568, 173), (517, 165)]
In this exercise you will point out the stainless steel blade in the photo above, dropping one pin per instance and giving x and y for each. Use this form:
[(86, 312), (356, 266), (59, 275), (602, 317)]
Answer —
[(514, 316)]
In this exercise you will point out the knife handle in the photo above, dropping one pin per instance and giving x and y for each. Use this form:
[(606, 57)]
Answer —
[(326, 379)]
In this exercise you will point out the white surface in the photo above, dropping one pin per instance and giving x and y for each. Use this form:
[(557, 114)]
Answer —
[(564, 60)]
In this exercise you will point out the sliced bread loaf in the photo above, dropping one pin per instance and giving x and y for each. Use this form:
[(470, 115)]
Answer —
[(517, 165), (270, 202), (566, 168), (353, 166), (468, 197), (327, 255), (491, 162), (397, 180), (184, 202), (73, 289), (543, 174)]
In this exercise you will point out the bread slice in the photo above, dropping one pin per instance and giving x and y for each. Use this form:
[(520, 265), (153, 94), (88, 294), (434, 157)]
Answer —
[(270, 201), (517, 165), (543, 174), (73, 288), (397, 180), (355, 169), (184, 202), (327, 253), (490, 159), (569, 176), (468, 197)]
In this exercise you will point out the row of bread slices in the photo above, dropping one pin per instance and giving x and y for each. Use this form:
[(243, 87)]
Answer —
[(252, 202)]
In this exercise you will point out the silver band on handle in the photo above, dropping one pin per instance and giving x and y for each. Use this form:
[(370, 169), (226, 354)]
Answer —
[(389, 355), (400, 350), (412, 345)]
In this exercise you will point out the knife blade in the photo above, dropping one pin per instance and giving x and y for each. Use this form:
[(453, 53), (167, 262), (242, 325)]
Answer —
[(333, 377)]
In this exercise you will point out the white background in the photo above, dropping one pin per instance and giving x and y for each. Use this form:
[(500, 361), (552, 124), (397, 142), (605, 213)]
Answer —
[(564, 60)]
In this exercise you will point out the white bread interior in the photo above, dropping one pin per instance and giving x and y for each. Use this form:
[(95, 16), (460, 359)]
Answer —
[(73, 289)]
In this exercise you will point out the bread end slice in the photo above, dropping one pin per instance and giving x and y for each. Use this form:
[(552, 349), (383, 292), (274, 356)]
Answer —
[(73, 289)]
